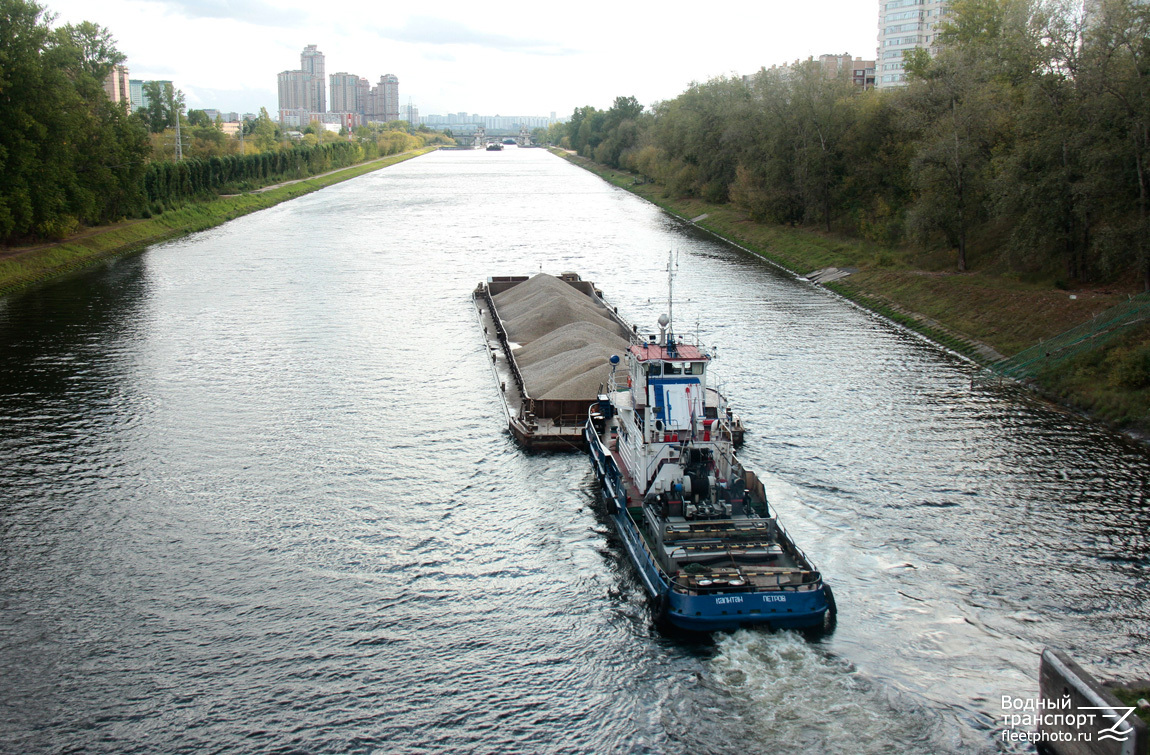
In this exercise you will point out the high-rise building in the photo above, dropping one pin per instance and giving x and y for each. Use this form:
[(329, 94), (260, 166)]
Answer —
[(136, 94), (297, 91), (345, 93), (306, 88), (118, 88), (139, 96), (389, 84), (363, 95), (409, 113), (311, 61), (904, 25), (383, 103)]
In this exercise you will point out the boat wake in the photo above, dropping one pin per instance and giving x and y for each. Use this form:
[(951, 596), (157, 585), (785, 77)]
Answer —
[(795, 697)]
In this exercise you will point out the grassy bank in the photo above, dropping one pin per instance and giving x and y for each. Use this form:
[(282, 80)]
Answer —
[(984, 314), (1131, 695), (21, 269)]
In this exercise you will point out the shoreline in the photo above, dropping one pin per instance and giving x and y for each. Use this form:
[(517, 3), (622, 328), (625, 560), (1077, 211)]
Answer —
[(23, 268), (875, 287), (978, 315)]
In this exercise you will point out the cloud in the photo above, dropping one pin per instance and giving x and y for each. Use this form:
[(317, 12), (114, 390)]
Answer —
[(251, 11), (227, 99), (439, 56), (436, 31)]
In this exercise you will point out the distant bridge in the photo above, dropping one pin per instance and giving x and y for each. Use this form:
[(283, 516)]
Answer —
[(481, 137)]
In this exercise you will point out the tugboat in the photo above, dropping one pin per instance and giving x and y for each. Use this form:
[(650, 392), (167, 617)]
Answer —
[(707, 545)]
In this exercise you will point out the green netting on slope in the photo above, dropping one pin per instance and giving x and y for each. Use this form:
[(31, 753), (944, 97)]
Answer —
[(1089, 335)]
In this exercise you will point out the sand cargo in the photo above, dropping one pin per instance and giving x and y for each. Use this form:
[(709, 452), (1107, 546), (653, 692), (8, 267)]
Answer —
[(550, 340)]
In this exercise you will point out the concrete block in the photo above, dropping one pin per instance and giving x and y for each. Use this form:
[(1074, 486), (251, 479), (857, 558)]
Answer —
[(1078, 716)]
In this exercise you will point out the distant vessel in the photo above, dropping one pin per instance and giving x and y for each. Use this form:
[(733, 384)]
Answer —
[(494, 147), (696, 524)]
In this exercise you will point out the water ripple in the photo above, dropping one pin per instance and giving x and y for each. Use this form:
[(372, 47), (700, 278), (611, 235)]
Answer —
[(256, 496)]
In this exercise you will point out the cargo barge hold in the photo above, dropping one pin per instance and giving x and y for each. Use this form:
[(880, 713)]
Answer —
[(550, 340)]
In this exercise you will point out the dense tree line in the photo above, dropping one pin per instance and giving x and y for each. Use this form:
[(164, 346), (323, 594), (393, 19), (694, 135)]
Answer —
[(168, 184), (1027, 132), (70, 157), (67, 154)]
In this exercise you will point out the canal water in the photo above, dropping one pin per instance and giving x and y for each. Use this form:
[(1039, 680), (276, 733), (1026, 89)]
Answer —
[(256, 496)]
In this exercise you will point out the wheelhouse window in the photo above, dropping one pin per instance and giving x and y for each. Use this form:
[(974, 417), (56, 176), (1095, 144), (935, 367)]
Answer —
[(654, 369)]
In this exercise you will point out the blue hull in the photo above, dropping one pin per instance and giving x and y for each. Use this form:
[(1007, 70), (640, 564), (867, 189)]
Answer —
[(779, 609)]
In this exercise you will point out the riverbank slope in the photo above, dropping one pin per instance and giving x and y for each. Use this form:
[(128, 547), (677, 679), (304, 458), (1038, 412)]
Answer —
[(982, 314), (22, 267)]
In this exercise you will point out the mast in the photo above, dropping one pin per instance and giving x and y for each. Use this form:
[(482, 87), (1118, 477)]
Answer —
[(670, 292)]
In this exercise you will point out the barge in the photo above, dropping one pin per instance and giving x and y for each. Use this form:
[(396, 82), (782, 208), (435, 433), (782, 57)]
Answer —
[(707, 545), (549, 340)]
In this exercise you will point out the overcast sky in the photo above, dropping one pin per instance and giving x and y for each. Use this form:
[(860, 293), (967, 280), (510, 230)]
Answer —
[(451, 56)]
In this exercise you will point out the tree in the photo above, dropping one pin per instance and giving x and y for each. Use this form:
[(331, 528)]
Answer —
[(704, 134), (163, 102), (1116, 77), (823, 115), (1041, 186), (876, 154), (768, 182), (198, 118), (93, 47), (265, 131), (67, 155), (958, 105), (624, 109)]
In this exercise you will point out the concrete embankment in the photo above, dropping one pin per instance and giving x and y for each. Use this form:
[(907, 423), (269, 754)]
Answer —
[(1077, 715), (916, 288), (23, 267), (983, 314)]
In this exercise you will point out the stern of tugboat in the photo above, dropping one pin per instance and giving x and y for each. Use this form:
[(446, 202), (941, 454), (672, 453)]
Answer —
[(727, 611)]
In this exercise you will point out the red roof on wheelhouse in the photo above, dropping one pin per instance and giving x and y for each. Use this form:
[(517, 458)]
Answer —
[(682, 352)]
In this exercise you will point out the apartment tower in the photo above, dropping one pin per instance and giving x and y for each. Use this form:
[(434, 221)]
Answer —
[(904, 25), (297, 91), (304, 89), (311, 62), (345, 93), (383, 102), (117, 87)]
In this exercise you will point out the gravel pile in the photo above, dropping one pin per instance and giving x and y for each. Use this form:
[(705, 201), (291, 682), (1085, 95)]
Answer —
[(566, 338)]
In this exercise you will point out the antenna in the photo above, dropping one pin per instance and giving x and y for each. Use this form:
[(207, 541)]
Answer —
[(671, 265)]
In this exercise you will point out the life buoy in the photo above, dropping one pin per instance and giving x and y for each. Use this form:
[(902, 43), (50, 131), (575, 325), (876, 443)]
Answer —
[(628, 381)]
